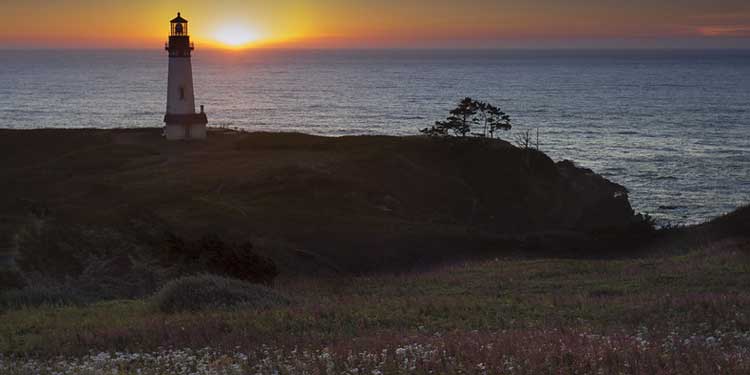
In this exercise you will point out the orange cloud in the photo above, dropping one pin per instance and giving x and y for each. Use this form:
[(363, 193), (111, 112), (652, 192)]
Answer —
[(725, 31)]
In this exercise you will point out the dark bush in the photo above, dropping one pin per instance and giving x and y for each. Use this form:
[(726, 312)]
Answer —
[(242, 263), (212, 254), (35, 296), (98, 262), (119, 277), (192, 293), (102, 263)]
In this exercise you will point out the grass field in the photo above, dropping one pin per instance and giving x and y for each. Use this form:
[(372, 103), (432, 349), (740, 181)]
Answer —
[(680, 313)]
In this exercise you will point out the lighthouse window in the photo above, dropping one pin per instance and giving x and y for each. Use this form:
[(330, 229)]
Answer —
[(182, 93)]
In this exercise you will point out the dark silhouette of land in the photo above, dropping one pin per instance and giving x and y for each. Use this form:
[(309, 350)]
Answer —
[(352, 203)]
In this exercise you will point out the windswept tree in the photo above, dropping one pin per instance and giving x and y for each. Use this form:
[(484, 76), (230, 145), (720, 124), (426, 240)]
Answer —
[(458, 123), (468, 113), (492, 119), (497, 120)]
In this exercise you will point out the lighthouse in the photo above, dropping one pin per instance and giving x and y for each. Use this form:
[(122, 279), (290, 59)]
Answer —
[(181, 121)]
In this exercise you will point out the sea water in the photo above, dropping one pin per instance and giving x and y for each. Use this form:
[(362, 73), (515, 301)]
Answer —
[(672, 126)]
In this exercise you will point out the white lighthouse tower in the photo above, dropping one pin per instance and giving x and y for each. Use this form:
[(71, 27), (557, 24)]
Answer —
[(181, 120)]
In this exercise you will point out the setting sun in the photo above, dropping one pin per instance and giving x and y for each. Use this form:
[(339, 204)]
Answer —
[(235, 36)]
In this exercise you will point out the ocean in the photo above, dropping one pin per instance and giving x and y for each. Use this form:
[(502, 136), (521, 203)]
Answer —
[(671, 126)]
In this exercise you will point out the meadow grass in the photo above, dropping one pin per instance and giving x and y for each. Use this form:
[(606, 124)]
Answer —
[(672, 314)]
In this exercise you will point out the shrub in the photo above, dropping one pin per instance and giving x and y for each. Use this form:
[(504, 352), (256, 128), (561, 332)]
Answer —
[(60, 250), (192, 293), (242, 262), (119, 277), (98, 262), (103, 263), (35, 296), (211, 254)]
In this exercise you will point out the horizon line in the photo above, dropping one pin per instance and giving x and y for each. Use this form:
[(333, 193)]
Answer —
[(452, 48)]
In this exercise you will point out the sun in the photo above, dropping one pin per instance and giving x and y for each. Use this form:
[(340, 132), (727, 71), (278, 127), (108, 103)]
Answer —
[(235, 36)]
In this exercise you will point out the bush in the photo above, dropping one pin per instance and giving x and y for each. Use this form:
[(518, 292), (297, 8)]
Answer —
[(35, 296), (211, 254), (192, 293), (104, 263), (98, 262), (116, 277)]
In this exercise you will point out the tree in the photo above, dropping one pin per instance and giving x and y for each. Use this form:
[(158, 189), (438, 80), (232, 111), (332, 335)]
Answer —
[(468, 113), (483, 118), (497, 120), (459, 122), (525, 140)]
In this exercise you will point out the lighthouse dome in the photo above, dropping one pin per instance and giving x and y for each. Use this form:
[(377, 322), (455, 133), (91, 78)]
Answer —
[(178, 19), (178, 26)]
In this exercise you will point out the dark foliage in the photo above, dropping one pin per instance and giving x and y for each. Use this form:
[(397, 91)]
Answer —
[(35, 296), (192, 293), (471, 113), (120, 276), (101, 263), (211, 254), (52, 250), (94, 263)]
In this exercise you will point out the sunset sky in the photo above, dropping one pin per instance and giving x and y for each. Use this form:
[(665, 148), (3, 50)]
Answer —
[(380, 24)]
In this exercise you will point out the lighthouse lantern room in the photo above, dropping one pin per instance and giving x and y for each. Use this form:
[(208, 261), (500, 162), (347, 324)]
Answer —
[(181, 120)]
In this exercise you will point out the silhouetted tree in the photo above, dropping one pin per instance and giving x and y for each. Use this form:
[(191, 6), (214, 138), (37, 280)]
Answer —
[(459, 122), (525, 140), (492, 119), (497, 120), (468, 113), (482, 117)]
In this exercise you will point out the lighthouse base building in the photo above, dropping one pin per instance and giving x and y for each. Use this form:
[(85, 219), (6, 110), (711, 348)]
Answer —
[(181, 127), (181, 121)]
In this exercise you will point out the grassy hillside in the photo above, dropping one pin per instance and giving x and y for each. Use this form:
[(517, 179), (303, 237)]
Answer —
[(350, 203)]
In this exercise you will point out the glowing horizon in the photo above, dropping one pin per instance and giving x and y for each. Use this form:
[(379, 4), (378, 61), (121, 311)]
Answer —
[(383, 24)]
